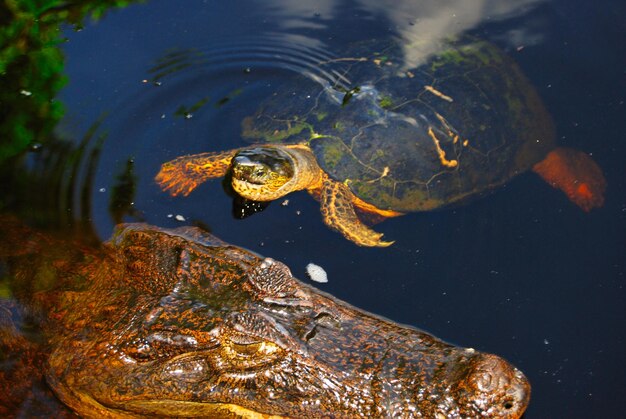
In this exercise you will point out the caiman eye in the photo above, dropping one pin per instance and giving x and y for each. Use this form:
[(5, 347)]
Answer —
[(247, 352), (272, 279)]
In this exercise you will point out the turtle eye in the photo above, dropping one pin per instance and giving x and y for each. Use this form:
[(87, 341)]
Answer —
[(253, 173), (259, 175)]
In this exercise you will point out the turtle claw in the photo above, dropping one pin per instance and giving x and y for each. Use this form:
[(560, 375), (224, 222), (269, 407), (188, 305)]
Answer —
[(379, 243), (339, 214), (361, 234), (365, 236), (385, 244)]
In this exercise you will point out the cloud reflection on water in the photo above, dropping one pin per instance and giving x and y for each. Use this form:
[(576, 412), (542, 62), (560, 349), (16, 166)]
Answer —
[(420, 24)]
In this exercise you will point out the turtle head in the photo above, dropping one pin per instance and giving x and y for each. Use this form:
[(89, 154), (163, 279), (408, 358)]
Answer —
[(263, 173)]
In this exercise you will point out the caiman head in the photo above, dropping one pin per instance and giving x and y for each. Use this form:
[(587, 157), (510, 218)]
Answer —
[(182, 324)]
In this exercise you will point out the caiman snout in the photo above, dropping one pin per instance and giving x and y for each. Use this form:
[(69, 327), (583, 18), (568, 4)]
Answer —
[(494, 387)]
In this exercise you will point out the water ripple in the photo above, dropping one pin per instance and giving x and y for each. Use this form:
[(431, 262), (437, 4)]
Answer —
[(267, 53)]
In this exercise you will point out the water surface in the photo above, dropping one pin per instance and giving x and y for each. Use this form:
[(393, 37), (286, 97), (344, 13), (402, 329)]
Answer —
[(522, 273)]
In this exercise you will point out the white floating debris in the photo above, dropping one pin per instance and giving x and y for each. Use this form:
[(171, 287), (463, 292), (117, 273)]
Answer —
[(179, 217), (316, 273), (102, 190), (285, 203), (170, 215)]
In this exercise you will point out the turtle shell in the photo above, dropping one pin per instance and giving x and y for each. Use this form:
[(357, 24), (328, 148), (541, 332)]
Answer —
[(461, 120)]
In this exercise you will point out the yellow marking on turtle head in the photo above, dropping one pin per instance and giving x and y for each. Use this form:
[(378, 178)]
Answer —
[(442, 154), (437, 93), (465, 143)]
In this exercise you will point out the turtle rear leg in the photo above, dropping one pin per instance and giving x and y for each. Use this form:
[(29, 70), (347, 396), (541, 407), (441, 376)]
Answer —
[(576, 174), (183, 174), (339, 214)]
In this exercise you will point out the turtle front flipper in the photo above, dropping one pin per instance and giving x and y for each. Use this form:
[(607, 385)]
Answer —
[(339, 214), (183, 174), (576, 174)]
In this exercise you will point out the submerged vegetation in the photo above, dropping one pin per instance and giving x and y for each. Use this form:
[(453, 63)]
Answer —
[(31, 66), (43, 187)]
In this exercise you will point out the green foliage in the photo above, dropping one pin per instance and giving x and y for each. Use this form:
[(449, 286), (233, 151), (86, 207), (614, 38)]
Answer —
[(31, 66), (386, 102)]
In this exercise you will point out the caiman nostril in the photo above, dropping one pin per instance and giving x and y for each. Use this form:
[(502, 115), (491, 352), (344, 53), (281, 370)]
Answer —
[(519, 390), (491, 381)]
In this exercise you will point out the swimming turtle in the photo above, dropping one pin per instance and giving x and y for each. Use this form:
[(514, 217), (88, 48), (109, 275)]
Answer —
[(387, 138)]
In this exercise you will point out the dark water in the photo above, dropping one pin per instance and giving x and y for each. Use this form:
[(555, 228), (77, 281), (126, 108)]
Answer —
[(522, 273)]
